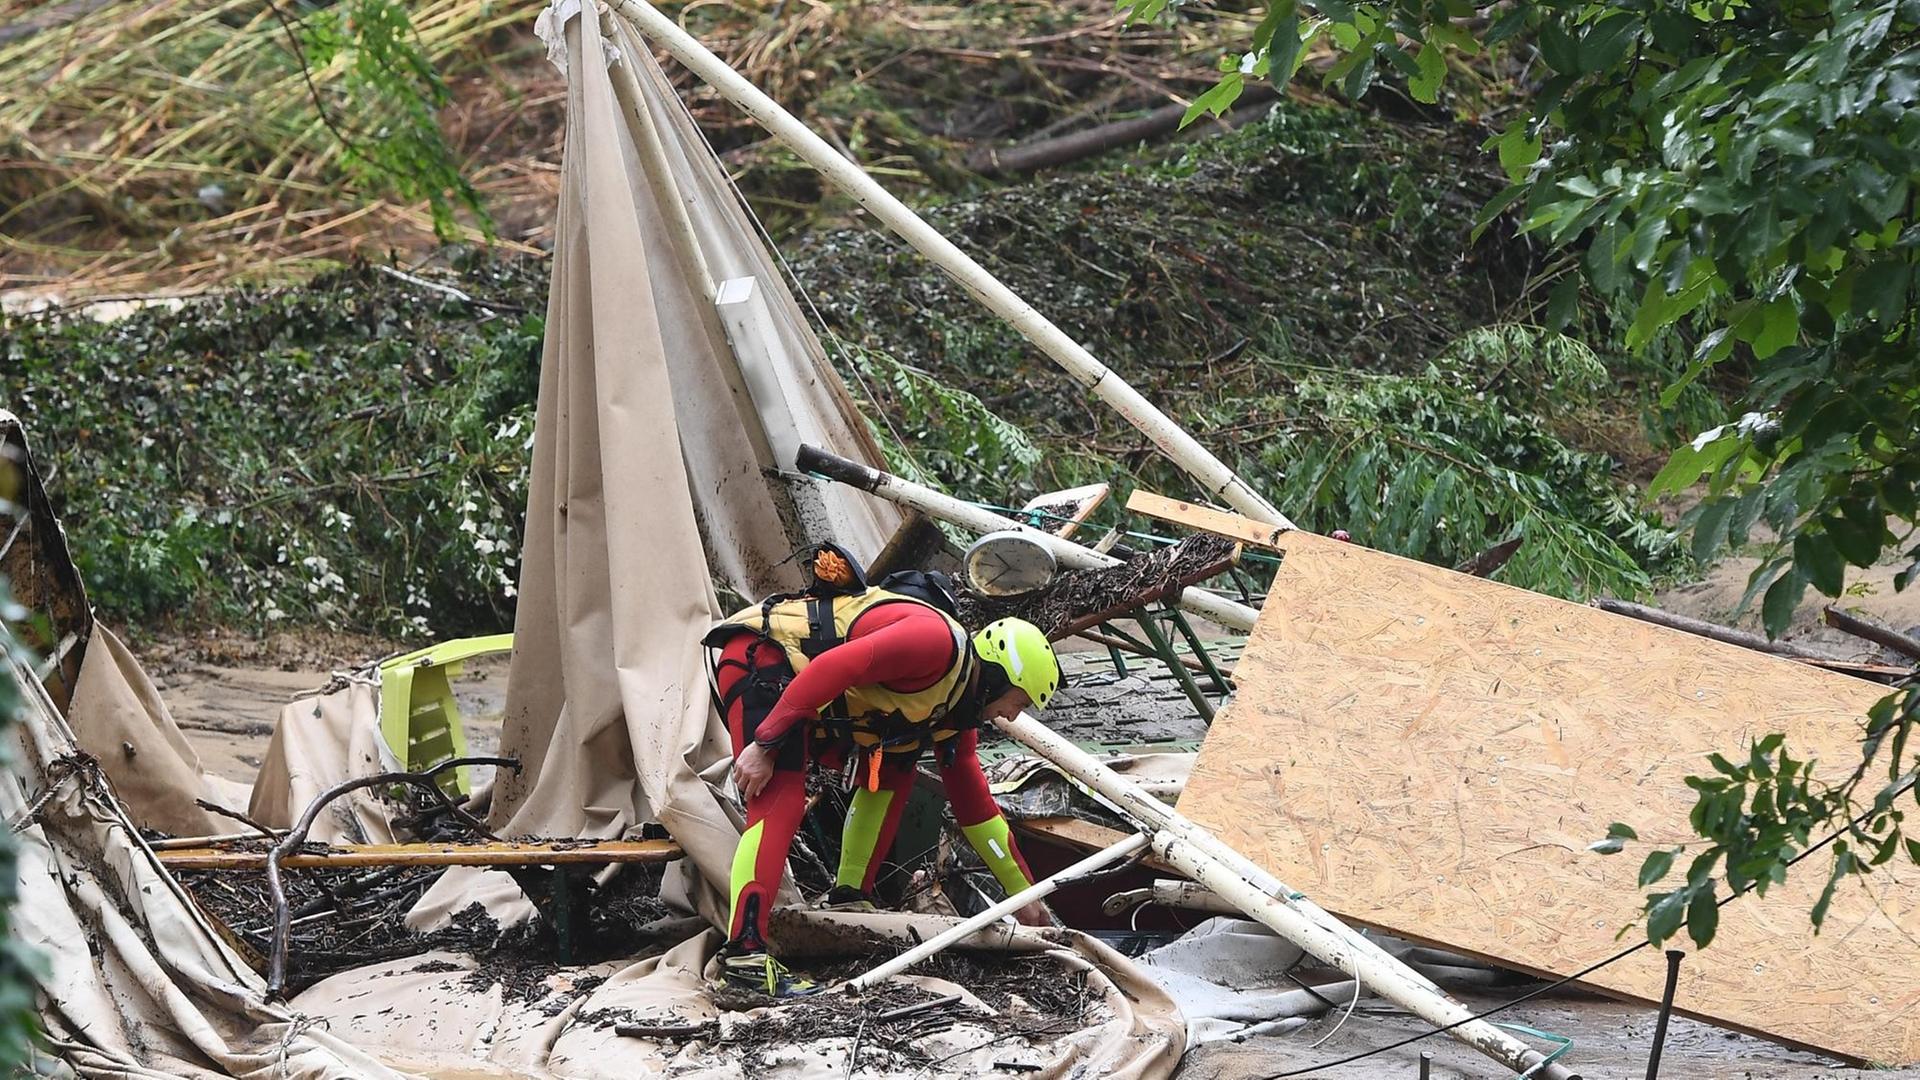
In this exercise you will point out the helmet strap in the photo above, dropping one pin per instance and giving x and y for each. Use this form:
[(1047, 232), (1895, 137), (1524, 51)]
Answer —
[(993, 681)]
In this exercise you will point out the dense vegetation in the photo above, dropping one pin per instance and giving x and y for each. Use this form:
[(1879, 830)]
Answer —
[(1735, 184), (350, 452), (353, 451), (1304, 295)]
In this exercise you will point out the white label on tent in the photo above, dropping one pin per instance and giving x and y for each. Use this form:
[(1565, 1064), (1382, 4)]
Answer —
[(734, 291)]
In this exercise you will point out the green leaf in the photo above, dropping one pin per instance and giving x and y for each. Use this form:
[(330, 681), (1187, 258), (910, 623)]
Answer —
[(1711, 528), (1815, 556), (1358, 80), (1606, 41), (1656, 867), (1913, 850), (1622, 830), (1860, 544), (1216, 100), (1779, 326), (1507, 25), (1559, 49), (1842, 866), (1783, 597), (1612, 845), (1424, 85), (1664, 913), (1563, 302), (1746, 511), (1703, 917), (1494, 209)]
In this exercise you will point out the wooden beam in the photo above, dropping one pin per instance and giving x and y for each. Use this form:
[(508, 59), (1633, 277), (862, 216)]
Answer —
[(1085, 500), (1081, 835), (1207, 519), (492, 853)]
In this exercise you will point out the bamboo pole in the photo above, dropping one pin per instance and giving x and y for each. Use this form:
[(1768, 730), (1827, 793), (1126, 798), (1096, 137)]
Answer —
[(1212, 474), (944, 507), (1041, 889), (1203, 857)]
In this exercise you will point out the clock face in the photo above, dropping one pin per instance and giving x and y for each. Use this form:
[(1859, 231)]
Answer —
[(1008, 564)]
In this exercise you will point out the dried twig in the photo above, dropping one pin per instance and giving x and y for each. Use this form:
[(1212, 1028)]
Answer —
[(216, 808), (276, 889)]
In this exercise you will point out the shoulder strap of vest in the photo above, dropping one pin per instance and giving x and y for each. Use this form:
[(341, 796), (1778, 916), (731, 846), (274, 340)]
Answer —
[(822, 631)]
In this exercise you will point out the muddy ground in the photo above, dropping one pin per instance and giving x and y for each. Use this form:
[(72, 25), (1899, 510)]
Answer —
[(1610, 1042)]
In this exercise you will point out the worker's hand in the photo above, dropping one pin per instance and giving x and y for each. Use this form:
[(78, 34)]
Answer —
[(752, 769), (1034, 914)]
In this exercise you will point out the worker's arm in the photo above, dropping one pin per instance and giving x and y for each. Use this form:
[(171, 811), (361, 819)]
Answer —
[(914, 649)]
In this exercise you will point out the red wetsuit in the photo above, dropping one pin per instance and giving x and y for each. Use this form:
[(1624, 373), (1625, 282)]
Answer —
[(903, 647)]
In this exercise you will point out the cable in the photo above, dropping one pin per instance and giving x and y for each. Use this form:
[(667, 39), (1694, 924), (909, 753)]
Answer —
[(1557, 983), (1342, 1022)]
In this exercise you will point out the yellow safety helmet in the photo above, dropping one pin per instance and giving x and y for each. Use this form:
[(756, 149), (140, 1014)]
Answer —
[(1019, 648)]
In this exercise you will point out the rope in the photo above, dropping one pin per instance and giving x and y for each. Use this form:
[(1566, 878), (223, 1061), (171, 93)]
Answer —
[(59, 773)]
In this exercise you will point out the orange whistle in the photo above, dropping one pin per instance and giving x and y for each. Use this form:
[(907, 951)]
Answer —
[(873, 770)]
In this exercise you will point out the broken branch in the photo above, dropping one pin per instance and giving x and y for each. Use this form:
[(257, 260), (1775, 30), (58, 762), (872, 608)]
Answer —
[(1904, 644)]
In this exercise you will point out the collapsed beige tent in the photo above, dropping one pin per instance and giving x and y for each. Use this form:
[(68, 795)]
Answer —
[(140, 984)]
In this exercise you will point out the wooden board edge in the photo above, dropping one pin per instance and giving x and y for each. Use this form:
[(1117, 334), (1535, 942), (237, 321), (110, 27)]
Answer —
[(1206, 519), (640, 851)]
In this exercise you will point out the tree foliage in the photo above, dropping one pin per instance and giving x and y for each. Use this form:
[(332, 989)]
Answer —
[(1445, 462), (384, 107), (352, 452), (1735, 180)]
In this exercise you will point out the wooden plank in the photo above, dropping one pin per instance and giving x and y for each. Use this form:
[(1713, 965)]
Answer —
[(1260, 534), (1219, 522), (1431, 754), (502, 853), (1082, 836), (1085, 501)]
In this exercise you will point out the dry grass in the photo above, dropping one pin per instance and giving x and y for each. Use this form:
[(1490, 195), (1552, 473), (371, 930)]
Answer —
[(176, 144)]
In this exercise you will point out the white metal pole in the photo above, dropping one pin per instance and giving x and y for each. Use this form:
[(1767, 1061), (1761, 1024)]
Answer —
[(1112, 853), (1203, 857), (1212, 473), (944, 507)]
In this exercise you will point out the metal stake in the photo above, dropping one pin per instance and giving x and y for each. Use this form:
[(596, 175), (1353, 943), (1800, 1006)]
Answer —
[(1666, 1012)]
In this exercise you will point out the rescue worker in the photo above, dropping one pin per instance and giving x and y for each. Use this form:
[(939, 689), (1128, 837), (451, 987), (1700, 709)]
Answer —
[(867, 680)]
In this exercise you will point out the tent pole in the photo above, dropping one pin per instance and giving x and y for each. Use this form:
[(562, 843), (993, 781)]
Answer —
[(944, 507), (646, 140), (1212, 474), (1228, 874), (1038, 890)]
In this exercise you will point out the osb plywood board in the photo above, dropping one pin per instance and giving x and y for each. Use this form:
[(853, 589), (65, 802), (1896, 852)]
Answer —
[(1431, 753)]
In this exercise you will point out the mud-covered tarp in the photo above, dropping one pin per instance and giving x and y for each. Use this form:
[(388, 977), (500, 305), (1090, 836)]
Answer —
[(138, 984)]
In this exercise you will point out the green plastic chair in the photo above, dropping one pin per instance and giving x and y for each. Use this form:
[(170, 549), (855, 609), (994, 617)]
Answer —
[(418, 715)]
